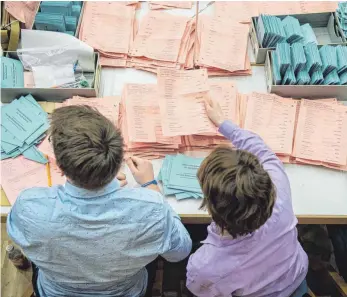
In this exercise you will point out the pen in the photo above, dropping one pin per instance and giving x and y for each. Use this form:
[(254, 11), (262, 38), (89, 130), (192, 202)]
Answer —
[(48, 169)]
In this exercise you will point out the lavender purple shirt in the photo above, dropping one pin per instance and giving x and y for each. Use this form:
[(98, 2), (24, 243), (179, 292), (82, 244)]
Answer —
[(269, 262)]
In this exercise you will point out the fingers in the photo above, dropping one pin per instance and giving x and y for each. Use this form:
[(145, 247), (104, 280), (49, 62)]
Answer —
[(121, 176), (208, 101), (137, 160), (123, 183), (131, 165)]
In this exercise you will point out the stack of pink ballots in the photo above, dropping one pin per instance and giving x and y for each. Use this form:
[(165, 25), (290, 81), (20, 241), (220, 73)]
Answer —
[(109, 27), (161, 41), (299, 131), (221, 47), (108, 106), (140, 123)]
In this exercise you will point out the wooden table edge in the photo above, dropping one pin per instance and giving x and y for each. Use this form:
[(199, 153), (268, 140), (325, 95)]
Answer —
[(302, 219)]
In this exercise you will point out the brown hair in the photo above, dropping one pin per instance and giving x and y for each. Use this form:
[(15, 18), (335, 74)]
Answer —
[(238, 192), (87, 146)]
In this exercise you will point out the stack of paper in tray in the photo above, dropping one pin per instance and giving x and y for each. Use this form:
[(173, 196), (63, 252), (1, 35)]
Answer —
[(140, 123), (109, 27), (342, 15), (23, 126), (170, 4), (162, 41), (308, 34), (308, 65), (222, 47), (293, 30), (270, 31), (178, 175)]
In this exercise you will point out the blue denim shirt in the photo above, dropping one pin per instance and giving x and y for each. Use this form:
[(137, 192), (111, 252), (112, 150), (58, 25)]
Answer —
[(95, 243)]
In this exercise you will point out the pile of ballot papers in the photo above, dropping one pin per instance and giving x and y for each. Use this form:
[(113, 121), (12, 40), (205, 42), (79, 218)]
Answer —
[(162, 40), (140, 123), (58, 16), (23, 126), (309, 65), (222, 47), (109, 27), (170, 4), (178, 175), (107, 106)]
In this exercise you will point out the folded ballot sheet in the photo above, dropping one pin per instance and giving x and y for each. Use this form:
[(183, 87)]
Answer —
[(178, 175), (23, 126)]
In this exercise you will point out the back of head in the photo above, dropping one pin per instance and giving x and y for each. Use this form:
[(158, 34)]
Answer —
[(238, 192), (87, 146)]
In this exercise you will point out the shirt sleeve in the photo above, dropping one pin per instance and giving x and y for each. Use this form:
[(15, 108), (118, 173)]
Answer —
[(200, 279), (176, 244), (251, 142), (16, 225)]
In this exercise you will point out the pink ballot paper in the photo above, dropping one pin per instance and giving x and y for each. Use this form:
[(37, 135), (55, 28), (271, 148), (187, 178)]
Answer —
[(19, 174), (181, 99)]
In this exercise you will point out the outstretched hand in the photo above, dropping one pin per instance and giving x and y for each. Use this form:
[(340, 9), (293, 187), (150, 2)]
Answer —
[(141, 169), (214, 112)]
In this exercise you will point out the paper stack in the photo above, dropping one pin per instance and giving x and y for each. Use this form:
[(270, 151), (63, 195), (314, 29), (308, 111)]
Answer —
[(298, 58), (293, 129), (178, 175), (313, 59), (302, 77), (140, 123), (270, 30), (222, 47), (109, 27), (283, 56), (329, 58), (308, 34), (170, 4), (289, 77), (342, 15), (23, 126), (293, 30), (107, 106), (162, 41)]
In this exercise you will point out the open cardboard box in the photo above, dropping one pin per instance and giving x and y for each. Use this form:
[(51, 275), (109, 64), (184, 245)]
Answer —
[(53, 94), (302, 91), (325, 25)]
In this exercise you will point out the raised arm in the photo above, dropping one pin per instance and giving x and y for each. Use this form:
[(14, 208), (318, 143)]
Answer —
[(251, 142)]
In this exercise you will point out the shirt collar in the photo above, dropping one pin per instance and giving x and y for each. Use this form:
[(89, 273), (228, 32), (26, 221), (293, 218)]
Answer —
[(75, 191), (215, 238)]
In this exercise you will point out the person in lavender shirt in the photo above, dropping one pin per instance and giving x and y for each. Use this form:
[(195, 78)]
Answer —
[(252, 248)]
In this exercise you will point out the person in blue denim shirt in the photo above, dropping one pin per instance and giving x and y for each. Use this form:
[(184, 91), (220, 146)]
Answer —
[(91, 237)]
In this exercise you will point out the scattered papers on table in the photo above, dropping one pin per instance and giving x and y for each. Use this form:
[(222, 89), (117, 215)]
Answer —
[(170, 4), (109, 27), (178, 175), (23, 126)]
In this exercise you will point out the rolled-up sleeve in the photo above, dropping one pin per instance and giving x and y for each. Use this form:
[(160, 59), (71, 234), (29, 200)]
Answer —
[(176, 242)]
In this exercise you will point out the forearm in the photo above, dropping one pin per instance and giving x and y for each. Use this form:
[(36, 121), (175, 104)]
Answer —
[(246, 140)]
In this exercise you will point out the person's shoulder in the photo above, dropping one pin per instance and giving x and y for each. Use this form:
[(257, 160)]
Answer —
[(34, 200)]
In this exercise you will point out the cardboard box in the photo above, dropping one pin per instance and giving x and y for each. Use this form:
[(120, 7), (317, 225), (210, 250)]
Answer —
[(325, 25), (302, 91), (53, 94)]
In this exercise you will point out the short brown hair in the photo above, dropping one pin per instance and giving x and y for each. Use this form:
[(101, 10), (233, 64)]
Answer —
[(87, 146), (238, 192)]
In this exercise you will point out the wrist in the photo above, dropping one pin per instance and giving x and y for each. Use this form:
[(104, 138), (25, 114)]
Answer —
[(149, 182)]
